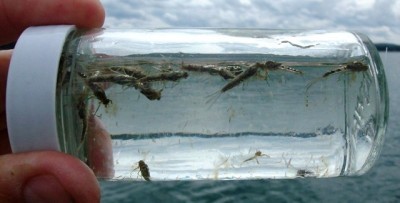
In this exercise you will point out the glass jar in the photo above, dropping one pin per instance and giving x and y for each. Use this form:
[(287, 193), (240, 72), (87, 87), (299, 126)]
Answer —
[(187, 104)]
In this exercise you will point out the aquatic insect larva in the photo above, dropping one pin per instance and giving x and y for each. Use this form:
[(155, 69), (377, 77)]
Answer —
[(144, 170), (252, 70), (169, 76), (299, 172), (271, 66), (199, 68), (355, 66), (117, 79), (211, 69), (226, 74), (124, 80), (130, 71), (98, 92), (304, 173), (257, 154), (147, 91), (82, 112), (234, 69), (151, 94)]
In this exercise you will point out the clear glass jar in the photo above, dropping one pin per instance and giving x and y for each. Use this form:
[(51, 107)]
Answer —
[(187, 104)]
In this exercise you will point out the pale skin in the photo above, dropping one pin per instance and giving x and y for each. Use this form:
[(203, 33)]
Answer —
[(43, 176)]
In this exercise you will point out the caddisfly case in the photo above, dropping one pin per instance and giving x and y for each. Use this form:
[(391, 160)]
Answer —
[(187, 104)]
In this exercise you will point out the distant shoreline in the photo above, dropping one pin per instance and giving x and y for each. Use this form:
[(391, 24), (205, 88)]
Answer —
[(380, 46)]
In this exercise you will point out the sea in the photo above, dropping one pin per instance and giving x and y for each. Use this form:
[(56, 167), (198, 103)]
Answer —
[(380, 184)]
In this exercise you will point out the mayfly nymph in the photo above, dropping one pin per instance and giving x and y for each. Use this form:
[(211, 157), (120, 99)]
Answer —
[(82, 112), (165, 76), (304, 173), (98, 92), (257, 154), (252, 70), (144, 170), (147, 91), (211, 69), (355, 66), (249, 72), (130, 71), (272, 66), (117, 79)]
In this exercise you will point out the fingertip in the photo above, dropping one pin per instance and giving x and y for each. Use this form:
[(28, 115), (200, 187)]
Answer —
[(71, 178), (5, 56), (45, 188), (17, 17), (92, 14), (100, 158)]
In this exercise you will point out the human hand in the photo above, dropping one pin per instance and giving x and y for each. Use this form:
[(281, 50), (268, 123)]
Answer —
[(42, 176)]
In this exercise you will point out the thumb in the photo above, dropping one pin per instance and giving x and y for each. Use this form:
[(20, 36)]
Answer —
[(46, 176)]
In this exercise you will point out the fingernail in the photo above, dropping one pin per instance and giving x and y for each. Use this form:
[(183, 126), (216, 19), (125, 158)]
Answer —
[(45, 188)]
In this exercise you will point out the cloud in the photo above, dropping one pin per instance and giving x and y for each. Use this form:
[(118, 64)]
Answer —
[(379, 19)]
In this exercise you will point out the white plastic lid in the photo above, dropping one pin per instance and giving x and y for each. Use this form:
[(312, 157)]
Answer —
[(31, 88)]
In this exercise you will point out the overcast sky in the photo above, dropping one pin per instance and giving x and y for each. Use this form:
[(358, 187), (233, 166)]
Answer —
[(379, 19)]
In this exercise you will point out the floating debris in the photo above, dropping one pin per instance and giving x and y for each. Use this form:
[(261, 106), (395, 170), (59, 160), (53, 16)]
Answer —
[(297, 45)]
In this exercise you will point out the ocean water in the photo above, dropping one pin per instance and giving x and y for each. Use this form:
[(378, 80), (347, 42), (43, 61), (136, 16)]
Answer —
[(380, 184)]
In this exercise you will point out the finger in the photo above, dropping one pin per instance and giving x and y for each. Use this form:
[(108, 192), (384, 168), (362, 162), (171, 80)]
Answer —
[(46, 177), (5, 57), (4, 63), (15, 16), (100, 155)]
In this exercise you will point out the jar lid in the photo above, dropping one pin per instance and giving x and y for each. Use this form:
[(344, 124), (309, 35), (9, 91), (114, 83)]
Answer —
[(31, 88)]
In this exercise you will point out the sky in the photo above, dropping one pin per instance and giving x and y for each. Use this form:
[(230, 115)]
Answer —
[(378, 19)]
